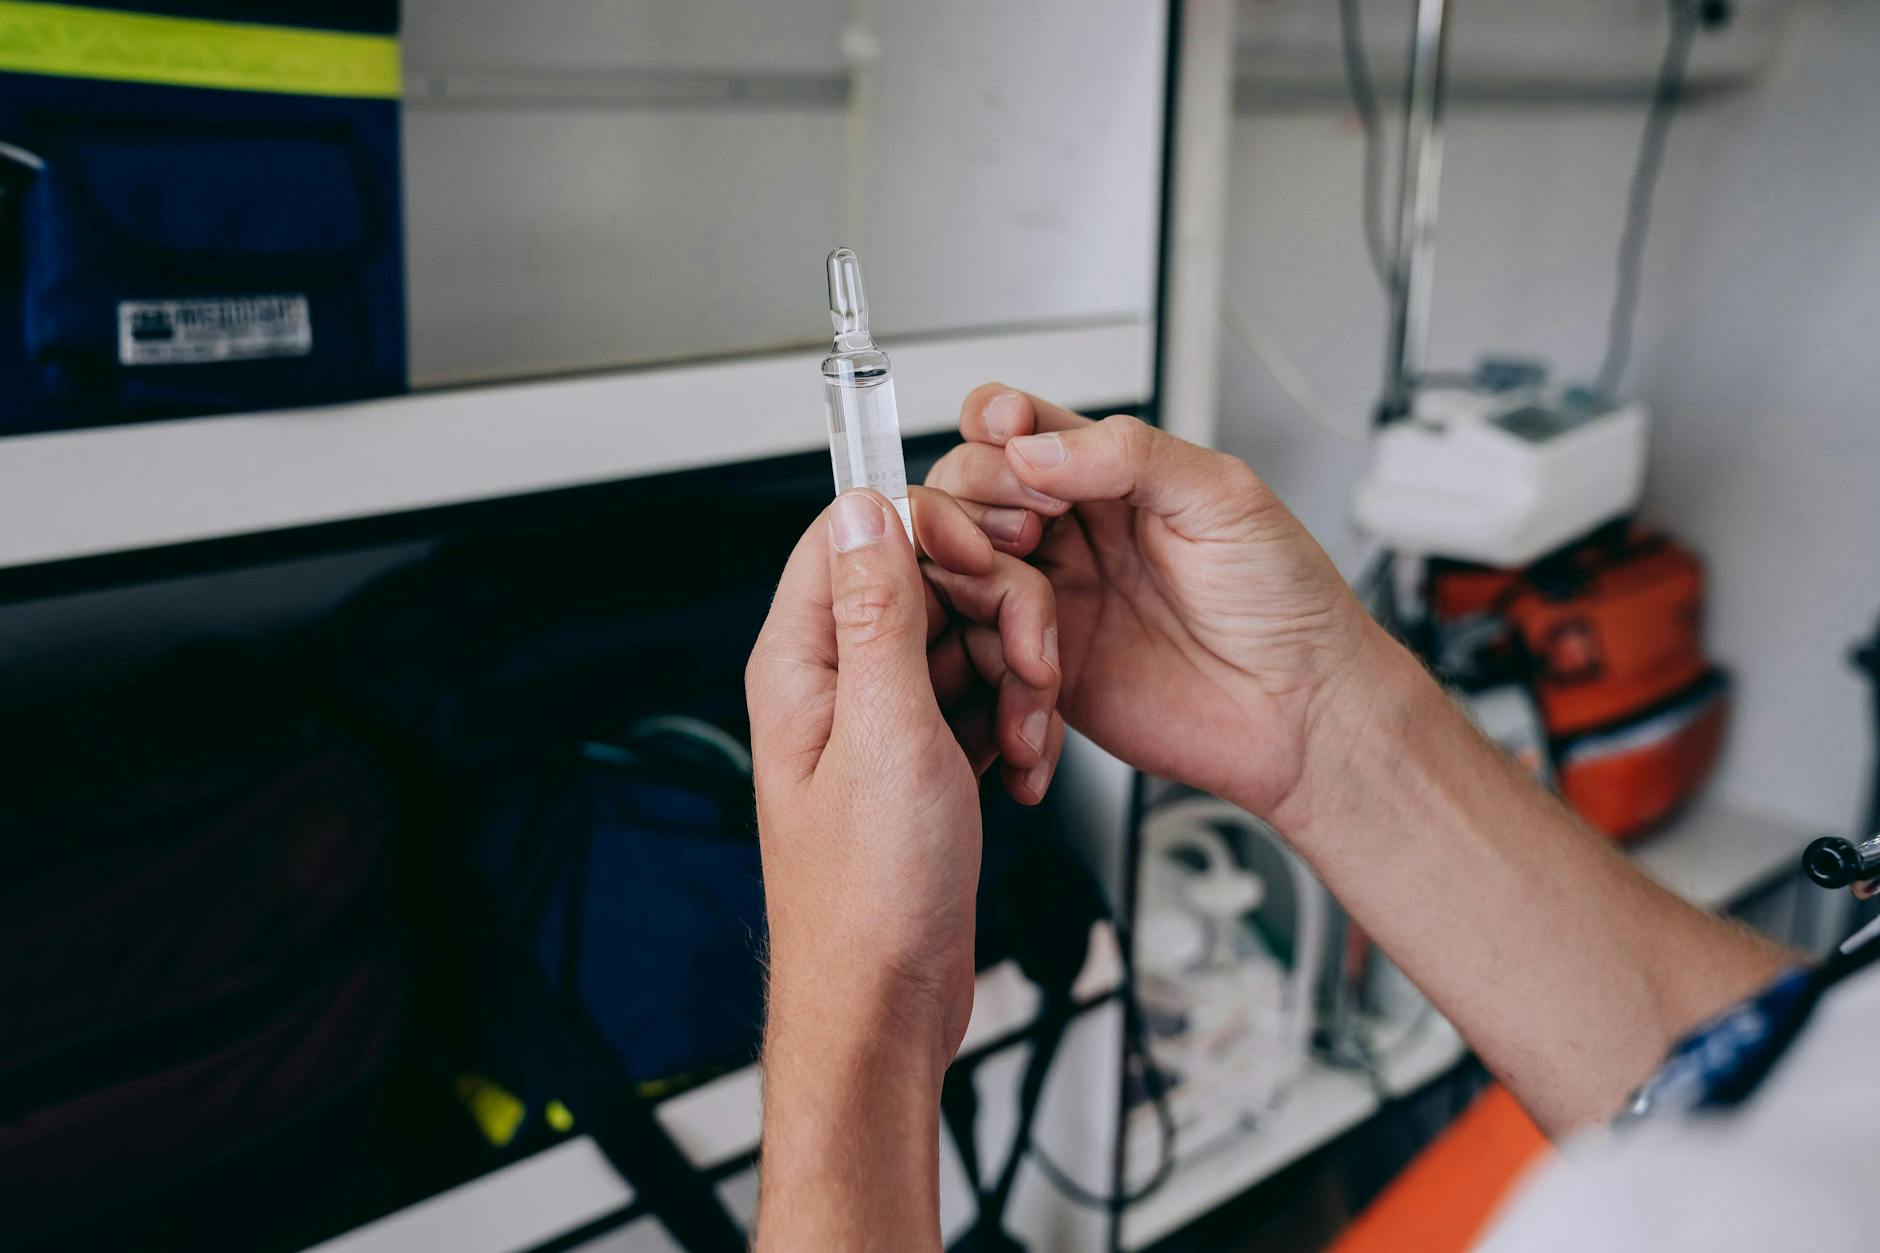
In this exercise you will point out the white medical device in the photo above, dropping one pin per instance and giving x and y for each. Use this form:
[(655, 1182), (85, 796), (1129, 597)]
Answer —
[(1230, 938), (1501, 478), (1497, 474)]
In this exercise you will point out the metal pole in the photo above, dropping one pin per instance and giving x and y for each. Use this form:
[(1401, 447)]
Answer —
[(1187, 389), (1420, 180)]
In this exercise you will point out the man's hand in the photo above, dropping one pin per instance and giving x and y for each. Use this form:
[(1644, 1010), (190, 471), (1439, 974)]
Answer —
[(867, 799), (1202, 626), (868, 813), (1207, 638)]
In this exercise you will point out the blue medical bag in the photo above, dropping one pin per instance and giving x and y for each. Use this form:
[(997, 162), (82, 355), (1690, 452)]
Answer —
[(628, 880), (196, 216)]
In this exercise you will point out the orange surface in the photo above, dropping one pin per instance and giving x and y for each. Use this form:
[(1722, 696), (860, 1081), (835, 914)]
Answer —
[(1629, 793), (1458, 592), (1630, 639), (1444, 1201)]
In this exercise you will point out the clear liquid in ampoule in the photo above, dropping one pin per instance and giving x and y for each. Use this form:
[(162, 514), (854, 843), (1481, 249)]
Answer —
[(858, 391)]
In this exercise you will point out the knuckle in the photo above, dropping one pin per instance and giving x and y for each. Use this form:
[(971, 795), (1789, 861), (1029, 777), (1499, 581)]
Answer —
[(1236, 474), (937, 499), (1031, 583), (982, 474), (982, 393), (869, 612), (1043, 600), (1239, 500), (1133, 437), (757, 673), (946, 470)]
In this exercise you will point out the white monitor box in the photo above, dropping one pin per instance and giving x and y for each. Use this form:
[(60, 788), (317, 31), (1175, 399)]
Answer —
[(1501, 478)]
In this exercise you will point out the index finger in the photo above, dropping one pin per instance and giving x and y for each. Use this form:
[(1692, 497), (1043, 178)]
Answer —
[(1012, 641), (993, 413), (946, 534)]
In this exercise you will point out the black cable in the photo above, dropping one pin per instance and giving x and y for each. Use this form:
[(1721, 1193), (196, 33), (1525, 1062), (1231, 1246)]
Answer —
[(1053, 1021), (1136, 1055), (574, 904), (1361, 1053), (1666, 97), (1124, 914), (1370, 118), (1866, 659), (959, 1109)]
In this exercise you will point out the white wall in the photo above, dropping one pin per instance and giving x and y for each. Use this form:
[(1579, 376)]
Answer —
[(585, 187), (1761, 298), (548, 232), (1767, 385), (1531, 209)]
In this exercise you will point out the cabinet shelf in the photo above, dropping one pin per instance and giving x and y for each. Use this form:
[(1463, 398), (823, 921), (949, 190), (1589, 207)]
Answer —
[(120, 489)]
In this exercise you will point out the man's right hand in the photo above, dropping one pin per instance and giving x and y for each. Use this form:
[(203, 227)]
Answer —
[(1204, 631), (1205, 637)]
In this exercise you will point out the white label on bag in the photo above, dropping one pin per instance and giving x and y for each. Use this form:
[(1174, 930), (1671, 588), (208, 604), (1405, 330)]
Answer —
[(215, 328)]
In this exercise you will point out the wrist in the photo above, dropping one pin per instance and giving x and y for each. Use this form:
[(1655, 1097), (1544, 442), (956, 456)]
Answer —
[(855, 1016), (1355, 730), (851, 1131)]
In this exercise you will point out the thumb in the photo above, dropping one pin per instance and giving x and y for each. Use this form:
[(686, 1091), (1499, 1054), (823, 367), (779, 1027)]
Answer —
[(1200, 493), (880, 610)]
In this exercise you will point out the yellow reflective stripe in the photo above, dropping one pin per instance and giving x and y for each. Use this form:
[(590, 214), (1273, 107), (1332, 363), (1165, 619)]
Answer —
[(70, 42)]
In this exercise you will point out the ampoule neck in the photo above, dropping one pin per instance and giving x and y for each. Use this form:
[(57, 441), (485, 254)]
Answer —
[(853, 341), (859, 366)]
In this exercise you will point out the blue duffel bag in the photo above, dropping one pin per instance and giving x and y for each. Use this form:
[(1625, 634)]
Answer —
[(189, 249)]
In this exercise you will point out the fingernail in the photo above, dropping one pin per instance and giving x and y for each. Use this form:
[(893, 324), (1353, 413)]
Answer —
[(857, 520), (1040, 452), (1051, 649), (1033, 728), (1005, 524), (1038, 778), (1003, 415)]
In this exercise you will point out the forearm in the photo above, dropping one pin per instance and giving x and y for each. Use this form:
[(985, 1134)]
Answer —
[(851, 1127), (1568, 971)]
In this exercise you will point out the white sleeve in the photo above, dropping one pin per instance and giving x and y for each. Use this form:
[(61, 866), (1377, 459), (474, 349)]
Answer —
[(1796, 1167)]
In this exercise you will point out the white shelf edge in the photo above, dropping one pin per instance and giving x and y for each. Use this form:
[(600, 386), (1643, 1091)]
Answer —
[(1323, 1105), (517, 1207), (1409, 1063), (115, 489), (716, 1121), (1004, 1000), (1718, 851)]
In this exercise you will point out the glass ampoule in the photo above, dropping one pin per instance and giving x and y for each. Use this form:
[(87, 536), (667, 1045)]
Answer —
[(858, 389)]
